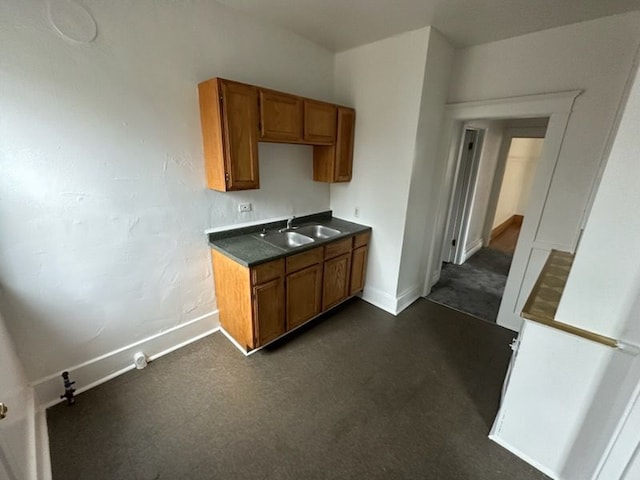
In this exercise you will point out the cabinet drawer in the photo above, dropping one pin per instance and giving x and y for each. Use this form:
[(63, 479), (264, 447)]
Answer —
[(361, 239), (267, 271), (302, 260), (337, 248)]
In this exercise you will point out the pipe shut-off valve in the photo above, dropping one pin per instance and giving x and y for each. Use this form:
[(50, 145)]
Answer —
[(68, 389)]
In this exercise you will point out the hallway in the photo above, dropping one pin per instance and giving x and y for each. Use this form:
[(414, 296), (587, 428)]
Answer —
[(475, 287)]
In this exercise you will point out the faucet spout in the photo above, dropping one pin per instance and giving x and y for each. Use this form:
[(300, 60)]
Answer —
[(289, 226)]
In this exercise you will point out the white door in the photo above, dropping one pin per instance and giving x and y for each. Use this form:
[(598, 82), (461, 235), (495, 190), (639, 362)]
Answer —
[(17, 439), (463, 192)]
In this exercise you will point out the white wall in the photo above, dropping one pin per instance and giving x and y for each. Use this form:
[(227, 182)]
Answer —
[(103, 199), (383, 81), (563, 400), (422, 200), (518, 178), (603, 288), (593, 56)]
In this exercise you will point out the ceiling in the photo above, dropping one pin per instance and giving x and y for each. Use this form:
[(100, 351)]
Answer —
[(342, 24)]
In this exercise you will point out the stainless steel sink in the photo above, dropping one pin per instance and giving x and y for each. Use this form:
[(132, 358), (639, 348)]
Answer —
[(286, 239), (319, 231)]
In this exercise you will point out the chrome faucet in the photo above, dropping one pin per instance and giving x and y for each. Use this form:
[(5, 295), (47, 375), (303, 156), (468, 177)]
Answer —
[(288, 227)]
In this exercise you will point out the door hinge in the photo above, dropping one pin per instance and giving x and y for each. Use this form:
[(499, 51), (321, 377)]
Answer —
[(470, 145), (226, 177), (453, 242), (3, 411)]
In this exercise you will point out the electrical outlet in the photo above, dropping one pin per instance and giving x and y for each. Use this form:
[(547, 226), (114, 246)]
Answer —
[(244, 207), (356, 212)]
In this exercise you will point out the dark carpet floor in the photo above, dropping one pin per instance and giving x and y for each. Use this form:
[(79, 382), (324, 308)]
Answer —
[(476, 286), (357, 394)]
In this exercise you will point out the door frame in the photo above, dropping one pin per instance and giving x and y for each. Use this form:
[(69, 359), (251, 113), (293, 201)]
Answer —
[(556, 106), (509, 133), (462, 197)]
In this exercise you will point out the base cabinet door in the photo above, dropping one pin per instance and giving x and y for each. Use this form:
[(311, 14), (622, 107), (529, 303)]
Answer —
[(304, 289), (335, 286), (268, 311), (358, 269)]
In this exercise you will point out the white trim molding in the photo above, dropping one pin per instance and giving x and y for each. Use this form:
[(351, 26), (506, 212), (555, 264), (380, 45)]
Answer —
[(475, 246), (512, 107), (98, 370), (407, 297), (380, 299), (557, 107)]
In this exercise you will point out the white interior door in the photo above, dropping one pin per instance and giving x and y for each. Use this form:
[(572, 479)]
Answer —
[(460, 212), (17, 445)]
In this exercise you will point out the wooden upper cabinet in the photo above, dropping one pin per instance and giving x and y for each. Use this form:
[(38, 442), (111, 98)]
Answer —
[(319, 122), (344, 144), (235, 117), (280, 117), (334, 163), (229, 118)]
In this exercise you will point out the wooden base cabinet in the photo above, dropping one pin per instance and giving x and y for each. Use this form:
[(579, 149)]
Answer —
[(359, 262), (335, 287), (250, 300), (268, 311), (261, 303)]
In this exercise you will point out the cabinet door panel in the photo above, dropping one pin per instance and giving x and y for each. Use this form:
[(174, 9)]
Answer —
[(344, 144), (268, 310), (319, 122), (303, 295), (336, 280), (240, 113), (280, 117), (358, 269)]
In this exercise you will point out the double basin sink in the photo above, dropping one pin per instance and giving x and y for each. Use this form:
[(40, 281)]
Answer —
[(298, 236)]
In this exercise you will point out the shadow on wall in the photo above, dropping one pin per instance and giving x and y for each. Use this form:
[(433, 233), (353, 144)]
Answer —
[(21, 316)]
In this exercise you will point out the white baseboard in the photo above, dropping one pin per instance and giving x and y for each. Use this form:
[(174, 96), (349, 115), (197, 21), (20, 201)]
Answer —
[(105, 367), (473, 248), (407, 297), (380, 299), (389, 303), (525, 457)]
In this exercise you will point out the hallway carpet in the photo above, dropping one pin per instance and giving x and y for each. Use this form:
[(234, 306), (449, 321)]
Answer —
[(476, 286), (357, 394)]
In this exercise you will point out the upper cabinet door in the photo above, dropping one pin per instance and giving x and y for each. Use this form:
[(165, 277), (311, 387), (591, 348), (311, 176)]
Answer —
[(344, 144), (319, 122), (240, 120), (280, 117)]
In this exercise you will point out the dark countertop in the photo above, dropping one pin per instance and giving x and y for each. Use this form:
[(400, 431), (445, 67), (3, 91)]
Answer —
[(246, 247)]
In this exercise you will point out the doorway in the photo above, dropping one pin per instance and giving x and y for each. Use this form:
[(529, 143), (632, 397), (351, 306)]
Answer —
[(492, 187)]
